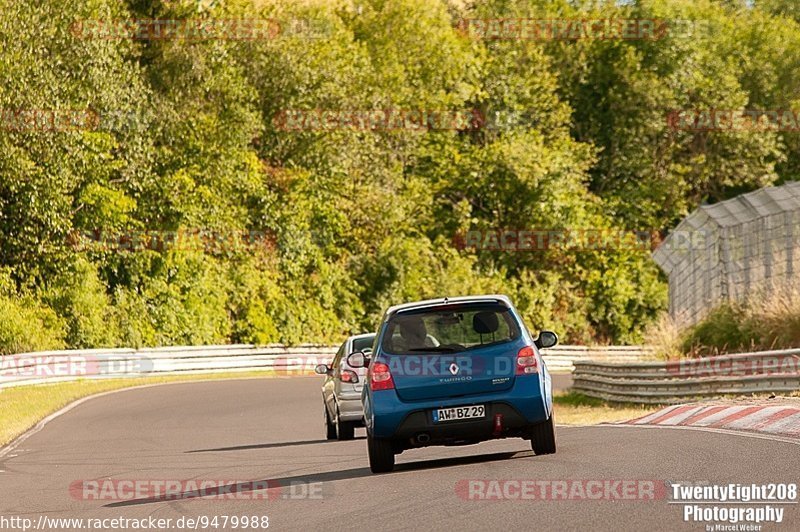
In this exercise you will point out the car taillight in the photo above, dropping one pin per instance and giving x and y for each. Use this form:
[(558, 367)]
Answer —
[(526, 362), (348, 376), (379, 377)]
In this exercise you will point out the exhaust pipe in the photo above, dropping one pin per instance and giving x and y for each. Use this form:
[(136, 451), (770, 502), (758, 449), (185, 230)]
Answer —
[(423, 438)]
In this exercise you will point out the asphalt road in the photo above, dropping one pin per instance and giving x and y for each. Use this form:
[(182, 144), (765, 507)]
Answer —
[(271, 430)]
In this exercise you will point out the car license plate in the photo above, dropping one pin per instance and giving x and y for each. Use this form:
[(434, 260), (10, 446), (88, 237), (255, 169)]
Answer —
[(459, 412)]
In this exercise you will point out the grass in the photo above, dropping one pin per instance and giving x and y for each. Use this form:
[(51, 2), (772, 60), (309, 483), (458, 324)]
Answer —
[(22, 407), (766, 320), (573, 408)]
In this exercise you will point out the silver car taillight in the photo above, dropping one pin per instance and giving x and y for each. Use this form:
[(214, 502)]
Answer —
[(348, 376)]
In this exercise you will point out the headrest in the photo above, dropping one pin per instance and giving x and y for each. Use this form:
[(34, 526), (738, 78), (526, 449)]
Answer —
[(412, 328), (485, 322)]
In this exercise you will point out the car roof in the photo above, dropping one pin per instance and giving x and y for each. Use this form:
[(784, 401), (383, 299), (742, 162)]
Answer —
[(447, 300), (360, 336)]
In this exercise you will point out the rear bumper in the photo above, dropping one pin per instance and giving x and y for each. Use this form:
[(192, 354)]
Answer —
[(522, 406), (420, 424), (350, 406)]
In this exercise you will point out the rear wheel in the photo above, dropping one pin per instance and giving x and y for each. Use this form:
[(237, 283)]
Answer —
[(543, 437), (330, 428), (345, 429), (381, 454)]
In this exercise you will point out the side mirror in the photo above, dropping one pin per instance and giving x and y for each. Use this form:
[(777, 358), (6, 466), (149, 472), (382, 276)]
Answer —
[(322, 369), (546, 339), (358, 360)]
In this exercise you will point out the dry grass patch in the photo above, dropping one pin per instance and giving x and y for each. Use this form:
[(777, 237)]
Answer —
[(573, 408)]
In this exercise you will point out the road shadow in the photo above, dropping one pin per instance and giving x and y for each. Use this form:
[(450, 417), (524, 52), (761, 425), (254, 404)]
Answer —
[(276, 484), (270, 445)]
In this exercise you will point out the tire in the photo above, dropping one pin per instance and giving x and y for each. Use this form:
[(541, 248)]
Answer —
[(345, 429), (330, 428), (543, 437), (381, 454)]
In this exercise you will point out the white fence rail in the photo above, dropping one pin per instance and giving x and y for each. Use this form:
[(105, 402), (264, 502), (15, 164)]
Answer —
[(58, 366), (616, 373)]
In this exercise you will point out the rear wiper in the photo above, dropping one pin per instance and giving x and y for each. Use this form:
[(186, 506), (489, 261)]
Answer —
[(437, 349)]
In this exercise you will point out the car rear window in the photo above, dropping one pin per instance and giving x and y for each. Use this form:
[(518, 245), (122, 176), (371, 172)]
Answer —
[(359, 344), (450, 328)]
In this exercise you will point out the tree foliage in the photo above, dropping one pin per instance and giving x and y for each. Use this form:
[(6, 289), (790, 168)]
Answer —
[(570, 135)]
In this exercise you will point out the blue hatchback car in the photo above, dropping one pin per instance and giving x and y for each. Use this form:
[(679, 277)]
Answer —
[(455, 371)]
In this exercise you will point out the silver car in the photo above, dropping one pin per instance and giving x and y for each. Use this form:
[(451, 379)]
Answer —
[(341, 391)]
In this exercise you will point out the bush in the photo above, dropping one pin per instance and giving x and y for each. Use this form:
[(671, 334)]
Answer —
[(79, 297), (175, 299), (25, 323), (769, 320)]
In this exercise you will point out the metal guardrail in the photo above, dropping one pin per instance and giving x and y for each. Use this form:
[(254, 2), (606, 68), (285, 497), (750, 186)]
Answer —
[(683, 380), (59, 366), (563, 357)]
